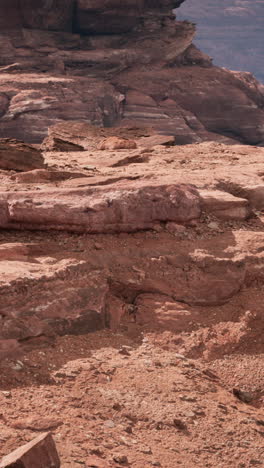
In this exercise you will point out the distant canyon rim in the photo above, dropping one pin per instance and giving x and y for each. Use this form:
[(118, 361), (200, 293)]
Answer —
[(230, 31)]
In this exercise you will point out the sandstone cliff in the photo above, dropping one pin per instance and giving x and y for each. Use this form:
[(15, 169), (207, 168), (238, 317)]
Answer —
[(117, 63)]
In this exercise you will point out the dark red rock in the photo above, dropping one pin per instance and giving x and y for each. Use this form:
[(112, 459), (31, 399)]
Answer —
[(38, 453), (164, 140), (8, 348), (18, 156), (57, 144)]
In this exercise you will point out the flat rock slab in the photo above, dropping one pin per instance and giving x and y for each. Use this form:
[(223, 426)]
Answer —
[(100, 210), (154, 140), (39, 453), (39, 176), (57, 144), (18, 156), (224, 205)]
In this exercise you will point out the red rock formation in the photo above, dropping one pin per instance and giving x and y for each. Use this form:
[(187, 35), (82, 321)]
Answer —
[(18, 156), (38, 453), (112, 62), (126, 208)]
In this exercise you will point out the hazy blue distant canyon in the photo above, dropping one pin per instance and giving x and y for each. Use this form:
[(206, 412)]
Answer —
[(230, 31)]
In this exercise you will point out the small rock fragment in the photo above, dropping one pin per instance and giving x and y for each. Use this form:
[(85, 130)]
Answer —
[(109, 424), (122, 459), (6, 394), (124, 351), (246, 397), (180, 424)]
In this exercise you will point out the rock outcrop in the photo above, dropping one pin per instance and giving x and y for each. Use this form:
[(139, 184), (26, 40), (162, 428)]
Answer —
[(18, 156), (123, 254), (117, 63), (38, 453), (126, 208), (96, 231)]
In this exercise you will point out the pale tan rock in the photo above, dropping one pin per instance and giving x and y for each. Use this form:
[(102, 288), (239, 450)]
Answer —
[(224, 205), (115, 143)]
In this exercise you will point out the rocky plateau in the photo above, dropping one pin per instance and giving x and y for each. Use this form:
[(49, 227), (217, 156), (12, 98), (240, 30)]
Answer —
[(131, 242)]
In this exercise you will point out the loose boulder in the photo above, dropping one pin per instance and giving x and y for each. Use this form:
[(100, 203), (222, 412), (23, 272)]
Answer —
[(52, 143), (39, 453), (115, 143)]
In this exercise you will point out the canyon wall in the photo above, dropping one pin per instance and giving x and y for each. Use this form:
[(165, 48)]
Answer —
[(113, 63)]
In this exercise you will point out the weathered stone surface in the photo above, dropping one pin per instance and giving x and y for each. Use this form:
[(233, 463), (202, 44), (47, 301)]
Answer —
[(18, 156), (73, 309), (118, 63), (78, 295), (201, 111), (39, 453), (115, 17), (166, 140), (36, 424), (57, 144), (123, 209), (115, 143), (90, 137), (8, 348), (224, 205), (45, 176), (35, 103)]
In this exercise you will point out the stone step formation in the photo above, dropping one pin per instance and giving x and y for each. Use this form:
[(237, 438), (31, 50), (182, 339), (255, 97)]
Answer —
[(118, 63)]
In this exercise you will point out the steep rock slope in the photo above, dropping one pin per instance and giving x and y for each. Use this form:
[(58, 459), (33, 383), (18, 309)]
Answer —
[(117, 63)]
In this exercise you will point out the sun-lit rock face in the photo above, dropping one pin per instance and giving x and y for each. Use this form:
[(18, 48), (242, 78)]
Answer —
[(117, 62)]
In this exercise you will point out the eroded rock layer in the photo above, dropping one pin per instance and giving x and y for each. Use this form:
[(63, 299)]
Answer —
[(117, 63), (91, 233)]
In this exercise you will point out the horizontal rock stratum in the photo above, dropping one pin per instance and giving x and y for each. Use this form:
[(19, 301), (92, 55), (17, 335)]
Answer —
[(100, 210), (112, 63), (88, 237)]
